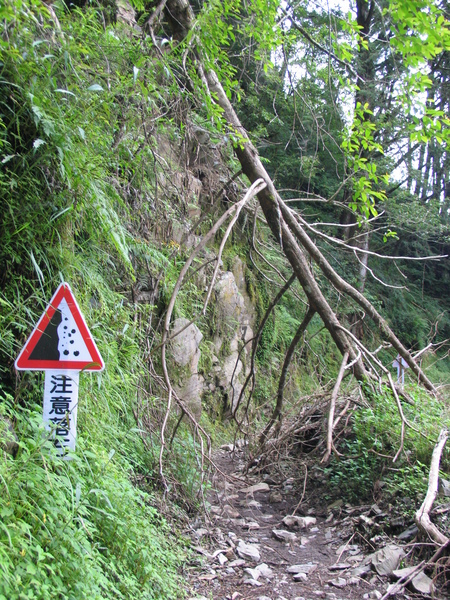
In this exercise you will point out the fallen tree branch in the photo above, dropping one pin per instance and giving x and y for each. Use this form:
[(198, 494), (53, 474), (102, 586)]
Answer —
[(287, 361), (296, 223), (337, 385), (422, 516), (257, 185)]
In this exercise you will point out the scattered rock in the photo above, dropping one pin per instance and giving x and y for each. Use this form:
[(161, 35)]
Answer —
[(239, 562), (254, 573), (386, 560), (275, 497), (339, 567), (9, 442), (338, 582), (444, 487), (421, 583), (305, 568), (361, 571), (293, 522), (284, 536), (365, 520), (408, 534), (300, 577), (251, 526), (248, 552), (258, 487), (201, 532), (265, 571), (231, 512), (373, 594), (227, 447), (253, 582)]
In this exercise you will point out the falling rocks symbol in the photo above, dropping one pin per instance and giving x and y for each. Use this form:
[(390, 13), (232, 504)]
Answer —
[(47, 346)]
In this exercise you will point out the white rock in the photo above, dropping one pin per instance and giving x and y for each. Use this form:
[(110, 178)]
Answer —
[(338, 582), (248, 552), (253, 582), (305, 568), (294, 522), (222, 558), (300, 577), (284, 536), (373, 594), (251, 525), (239, 562), (254, 573), (265, 570), (227, 447), (258, 487)]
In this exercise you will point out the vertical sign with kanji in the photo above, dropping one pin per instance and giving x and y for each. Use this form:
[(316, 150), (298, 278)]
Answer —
[(60, 406), (62, 346)]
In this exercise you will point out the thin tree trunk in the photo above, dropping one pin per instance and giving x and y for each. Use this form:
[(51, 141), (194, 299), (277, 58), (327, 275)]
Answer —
[(270, 204), (287, 361)]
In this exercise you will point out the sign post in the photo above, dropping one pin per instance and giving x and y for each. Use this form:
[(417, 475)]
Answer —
[(401, 364), (62, 346)]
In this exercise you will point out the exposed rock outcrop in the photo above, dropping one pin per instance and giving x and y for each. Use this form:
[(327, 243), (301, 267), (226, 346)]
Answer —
[(186, 354)]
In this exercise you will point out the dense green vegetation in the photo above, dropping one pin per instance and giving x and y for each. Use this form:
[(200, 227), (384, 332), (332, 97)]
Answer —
[(101, 136)]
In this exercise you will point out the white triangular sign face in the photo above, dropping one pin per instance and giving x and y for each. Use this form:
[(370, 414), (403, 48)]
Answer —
[(61, 339)]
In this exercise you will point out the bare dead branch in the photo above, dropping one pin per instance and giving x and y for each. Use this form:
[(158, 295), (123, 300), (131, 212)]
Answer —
[(338, 242), (333, 408), (292, 219), (253, 189), (422, 516)]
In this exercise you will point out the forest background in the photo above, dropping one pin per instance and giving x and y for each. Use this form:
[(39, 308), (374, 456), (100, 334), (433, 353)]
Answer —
[(110, 113)]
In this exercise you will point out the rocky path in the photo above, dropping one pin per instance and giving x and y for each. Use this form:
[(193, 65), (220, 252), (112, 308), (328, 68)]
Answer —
[(254, 548)]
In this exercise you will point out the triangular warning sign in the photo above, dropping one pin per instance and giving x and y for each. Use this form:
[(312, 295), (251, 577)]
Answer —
[(61, 339)]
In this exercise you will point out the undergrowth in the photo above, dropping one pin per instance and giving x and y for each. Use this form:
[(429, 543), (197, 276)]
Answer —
[(366, 470), (80, 110)]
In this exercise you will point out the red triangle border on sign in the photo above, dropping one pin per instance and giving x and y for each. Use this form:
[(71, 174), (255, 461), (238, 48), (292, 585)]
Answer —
[(23, 361)]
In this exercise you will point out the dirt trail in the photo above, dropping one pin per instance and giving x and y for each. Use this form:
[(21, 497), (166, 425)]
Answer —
[(249, 552)]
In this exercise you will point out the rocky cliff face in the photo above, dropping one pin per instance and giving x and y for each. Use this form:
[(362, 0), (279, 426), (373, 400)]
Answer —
[(231, 345)]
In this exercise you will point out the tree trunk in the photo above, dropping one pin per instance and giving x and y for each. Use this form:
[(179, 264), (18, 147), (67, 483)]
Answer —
[(288, 231), (270, 204)]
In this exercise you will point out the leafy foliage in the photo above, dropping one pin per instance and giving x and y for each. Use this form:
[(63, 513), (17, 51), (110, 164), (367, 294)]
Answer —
[(376, 435)]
